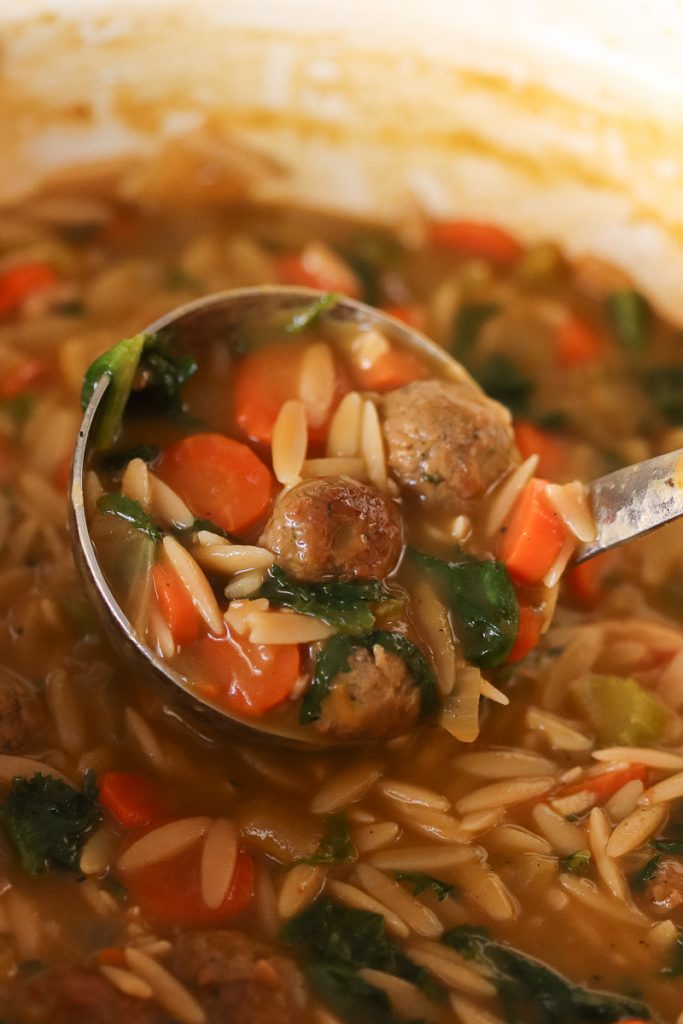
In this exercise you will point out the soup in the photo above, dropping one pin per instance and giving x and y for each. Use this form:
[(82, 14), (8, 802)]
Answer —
[(154, 871), (356, 529)]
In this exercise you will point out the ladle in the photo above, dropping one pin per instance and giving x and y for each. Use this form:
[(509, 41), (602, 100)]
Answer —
[(626, 504)]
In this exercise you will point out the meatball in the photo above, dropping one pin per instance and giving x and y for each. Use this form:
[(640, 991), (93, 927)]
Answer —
[(232, 977), (665, 890), (377, 697), (21, 713), (445, 444), (237, 979), (334, 529)]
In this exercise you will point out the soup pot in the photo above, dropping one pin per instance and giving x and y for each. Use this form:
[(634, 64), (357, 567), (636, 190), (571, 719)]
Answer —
[(557, 120)]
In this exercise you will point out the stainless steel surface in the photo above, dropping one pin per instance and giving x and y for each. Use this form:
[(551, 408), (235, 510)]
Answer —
[(208, 318), (633, 501)]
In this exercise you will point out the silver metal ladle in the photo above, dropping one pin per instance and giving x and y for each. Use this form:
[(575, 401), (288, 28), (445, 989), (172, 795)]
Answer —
[(626, 504)]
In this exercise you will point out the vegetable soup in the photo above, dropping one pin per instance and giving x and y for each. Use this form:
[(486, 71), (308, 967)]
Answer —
[(517, 856)]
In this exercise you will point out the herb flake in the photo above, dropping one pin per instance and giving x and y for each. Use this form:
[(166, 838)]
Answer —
[(423, 883), (335, 846)]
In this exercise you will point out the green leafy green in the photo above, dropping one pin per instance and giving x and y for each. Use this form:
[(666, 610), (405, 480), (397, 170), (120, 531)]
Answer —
[(335, 937), (576, 863), (130, 511), (349, 996), (423, 883), (113, 462), (48, 821), (120, 364), (469, 320), (673, 846), (19, 407), (629, 315), (502, 380), (164, 372), (640, 878), (620, 711), (533, 993), (334, 658), (307, 315), (482, 602), (343, 605), (665, 387), (335, 845)]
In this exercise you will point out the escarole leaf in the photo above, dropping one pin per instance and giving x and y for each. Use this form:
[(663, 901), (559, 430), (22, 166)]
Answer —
[(337, 942), (334, 658), (629, 314), (535, 994), (347, 606), (47, 821), (165, 372), (307, 315), (482, 602), (335, 845), (425, 883), (130, 511)]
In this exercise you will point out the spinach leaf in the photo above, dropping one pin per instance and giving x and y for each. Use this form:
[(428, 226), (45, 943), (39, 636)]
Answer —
[(640, 878), (334, 658), (349, 996), (341, 936), (48, 821), (344, 605), (534, 993), (131, 511), (576, 863), (483, 605), (120, 364), (469, 320), (19, 407), (421, 883), (112, 462), (335, 846), (502, 380), (307, 315), (629, 315), (665, 387), (165, 372), (673, 846)]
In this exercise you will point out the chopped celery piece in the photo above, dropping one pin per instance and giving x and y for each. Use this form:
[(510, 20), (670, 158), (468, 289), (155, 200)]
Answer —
[(619, 710)]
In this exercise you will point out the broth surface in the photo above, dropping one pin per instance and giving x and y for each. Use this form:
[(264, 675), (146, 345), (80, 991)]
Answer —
[(510, 832)]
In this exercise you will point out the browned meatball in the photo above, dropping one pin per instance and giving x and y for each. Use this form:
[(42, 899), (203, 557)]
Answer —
[(232, 977), (237, 979), (376, 697), (665, 890), (445, 444), (334, 529), (21, 713)]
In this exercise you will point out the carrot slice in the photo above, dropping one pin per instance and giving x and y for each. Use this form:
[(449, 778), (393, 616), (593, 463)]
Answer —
[(219, 479), (586, 581), (577, 342), (175, 604), (552, 451), (19, 283), (170, 891), (606, 784), (393, 369), (475, 238), (246, 678), (534, 535), (528, 634), (133, 800), (269, 377), (23, 377)]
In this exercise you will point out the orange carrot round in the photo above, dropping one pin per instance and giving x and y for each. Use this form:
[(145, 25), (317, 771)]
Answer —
[(606, 784), (19, 283), (393, 369), (533, 537), (244, 677), (552, 450), (474, 238), (23, 377), (577, 342), (170, 893), (528, 634), (219, 479), (133, 800), (175, 605)]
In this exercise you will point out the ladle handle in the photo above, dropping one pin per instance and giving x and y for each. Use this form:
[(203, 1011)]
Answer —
[(635, 500)]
